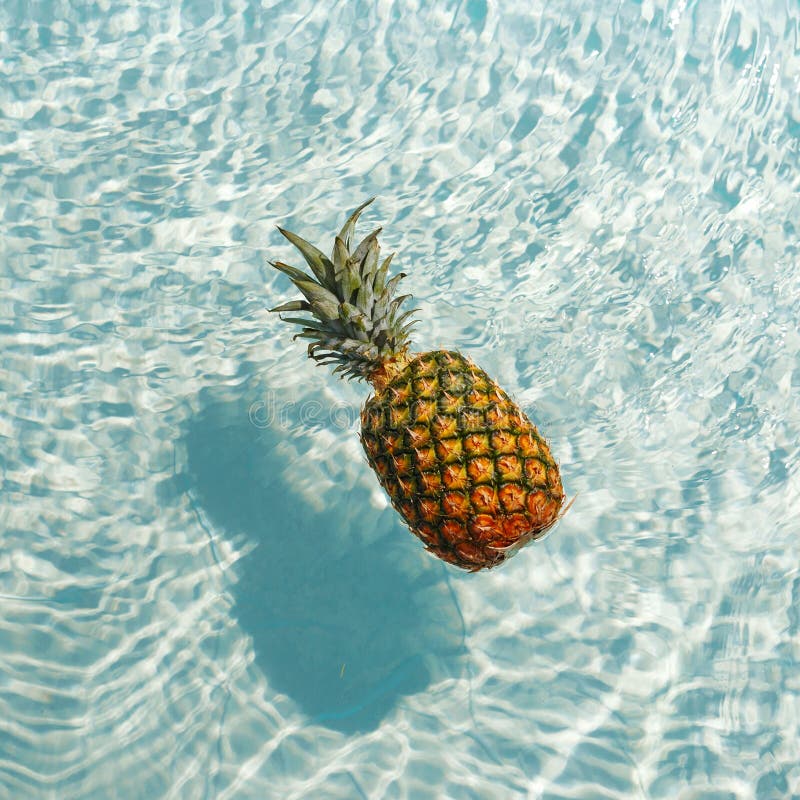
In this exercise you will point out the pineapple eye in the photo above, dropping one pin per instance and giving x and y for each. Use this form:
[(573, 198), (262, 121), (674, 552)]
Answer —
[(425, 368), (399, 416), (497, 395), (518, 420), (472, 420), (481, 470), (400, 392), (425, 386), (497, 417), (402, 464), (392, 442), (512, 496), (425, 458), (455, 476), (429, 509), (406, 486), (406, 508), (371, 446), (478, 381), (431, 482), (535, 472), (504, 442), (453, 382), (373, 420), (427, 533), (477, 399), (444, 426), (554, 479), (448, 403), (456, 505), (528, 445), (477, 443), (424, 410), (515, 526), (484, 499), (509, 467), (418, 435), (454, 531), (483, 527), (381, 466), (449, 450), (542, 508), (471, 553)]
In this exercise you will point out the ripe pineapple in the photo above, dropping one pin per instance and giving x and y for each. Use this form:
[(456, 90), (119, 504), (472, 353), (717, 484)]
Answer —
[(461, 463)]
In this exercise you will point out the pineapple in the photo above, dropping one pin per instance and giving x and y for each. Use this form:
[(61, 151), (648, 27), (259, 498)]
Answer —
[(462, 464)]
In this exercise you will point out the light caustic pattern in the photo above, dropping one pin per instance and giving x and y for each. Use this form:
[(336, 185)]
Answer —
[(596, 202)]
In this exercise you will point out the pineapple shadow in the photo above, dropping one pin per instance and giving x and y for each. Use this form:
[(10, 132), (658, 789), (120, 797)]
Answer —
[(345, 629)]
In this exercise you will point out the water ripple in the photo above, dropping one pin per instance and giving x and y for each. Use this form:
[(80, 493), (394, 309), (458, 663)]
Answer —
[(598, 205)]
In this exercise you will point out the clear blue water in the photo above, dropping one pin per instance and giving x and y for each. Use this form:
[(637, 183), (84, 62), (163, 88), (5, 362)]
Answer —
[(204, 594)]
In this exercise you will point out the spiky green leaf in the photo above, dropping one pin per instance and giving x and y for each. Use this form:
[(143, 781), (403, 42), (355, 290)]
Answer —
[(380, 276), (320, 264), (294, 273), (324, 304), (311, 324), (340, 255), (361, 251), (392, 284), (357, 322), (346, 234), (293, 305), (398, 322), (369, 264)]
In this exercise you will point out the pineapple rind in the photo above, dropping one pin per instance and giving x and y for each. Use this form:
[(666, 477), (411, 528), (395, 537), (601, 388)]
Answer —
[(462, 464)]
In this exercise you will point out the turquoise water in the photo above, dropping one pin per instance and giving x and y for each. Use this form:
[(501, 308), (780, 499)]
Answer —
[(204, 594)]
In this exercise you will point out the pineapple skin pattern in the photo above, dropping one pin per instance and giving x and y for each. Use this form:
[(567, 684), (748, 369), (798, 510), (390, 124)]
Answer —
[(464, 467), (462, 464)]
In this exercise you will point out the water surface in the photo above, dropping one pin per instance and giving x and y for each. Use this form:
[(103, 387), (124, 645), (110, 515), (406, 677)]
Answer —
[(203, 598)]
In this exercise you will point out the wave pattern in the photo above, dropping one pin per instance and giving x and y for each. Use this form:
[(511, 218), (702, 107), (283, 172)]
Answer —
[(204, 594)]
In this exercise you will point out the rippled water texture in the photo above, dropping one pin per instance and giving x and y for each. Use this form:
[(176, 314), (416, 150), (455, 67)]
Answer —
[(204, 594)]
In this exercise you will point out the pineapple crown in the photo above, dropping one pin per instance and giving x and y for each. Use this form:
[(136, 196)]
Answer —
[(355, 321)]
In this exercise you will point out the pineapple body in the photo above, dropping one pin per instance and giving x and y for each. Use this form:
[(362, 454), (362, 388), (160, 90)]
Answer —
[(462, 464)]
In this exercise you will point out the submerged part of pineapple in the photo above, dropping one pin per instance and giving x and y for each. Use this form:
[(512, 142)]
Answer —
[(462, 464)]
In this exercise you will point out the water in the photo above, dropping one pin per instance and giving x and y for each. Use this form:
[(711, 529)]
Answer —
[(203, 592)]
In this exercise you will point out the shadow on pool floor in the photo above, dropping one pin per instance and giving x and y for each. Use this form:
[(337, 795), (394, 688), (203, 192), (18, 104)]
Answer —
[(346, 630)]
